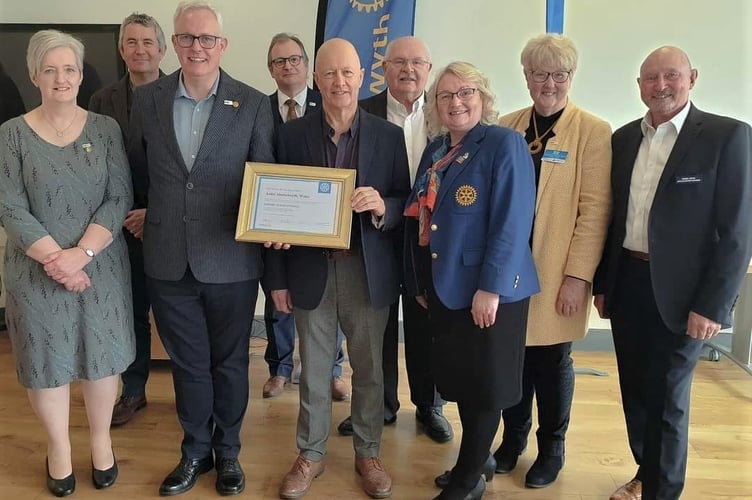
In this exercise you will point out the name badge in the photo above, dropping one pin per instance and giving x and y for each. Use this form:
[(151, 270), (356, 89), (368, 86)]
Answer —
[(689, 179), (555, 156)]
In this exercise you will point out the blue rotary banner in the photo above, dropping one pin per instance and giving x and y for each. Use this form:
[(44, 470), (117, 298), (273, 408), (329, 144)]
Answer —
[(370, 25), (555, 16)]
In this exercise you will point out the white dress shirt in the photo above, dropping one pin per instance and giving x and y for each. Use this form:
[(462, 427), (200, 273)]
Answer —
[(300, 103), (413, 126), (654, 151)]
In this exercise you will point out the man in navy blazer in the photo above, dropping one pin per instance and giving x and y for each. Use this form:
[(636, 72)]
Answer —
[(192, 132), (287, 61), (142, 47), (353, 287), (678, 248)]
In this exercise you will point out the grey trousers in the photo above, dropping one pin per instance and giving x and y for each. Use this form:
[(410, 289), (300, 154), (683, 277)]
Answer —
[(346, 300)]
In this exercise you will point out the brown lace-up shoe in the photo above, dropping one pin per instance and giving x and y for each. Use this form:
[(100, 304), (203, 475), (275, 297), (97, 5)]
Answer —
[(274, 386), (630, 491), (376, 481), (298, 480), (125, 408)]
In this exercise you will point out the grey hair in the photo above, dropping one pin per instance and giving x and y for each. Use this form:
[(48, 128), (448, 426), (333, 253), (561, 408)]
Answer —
[(146, 21), (190, 5), (46, 40)]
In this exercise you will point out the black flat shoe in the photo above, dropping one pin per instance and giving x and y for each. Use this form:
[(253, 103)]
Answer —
[(453, 494), (104, 478), (60, 487), (487, 472), (230, 477), (184, 476), (544, 471)]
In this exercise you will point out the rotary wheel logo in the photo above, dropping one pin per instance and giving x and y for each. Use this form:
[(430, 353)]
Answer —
[(466, 195), (373, 5)]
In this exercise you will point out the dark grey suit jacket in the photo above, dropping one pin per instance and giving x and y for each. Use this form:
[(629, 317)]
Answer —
[(700, 229), (192, 215), (376, 104), (382, 164), (313, 103)]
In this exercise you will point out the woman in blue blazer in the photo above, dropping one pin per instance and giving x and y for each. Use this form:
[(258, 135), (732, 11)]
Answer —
[(468, 261)]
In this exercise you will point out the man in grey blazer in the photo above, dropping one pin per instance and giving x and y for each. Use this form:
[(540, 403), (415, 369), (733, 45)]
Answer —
[(353, 287), (142, 47), (678, 248), (287, 61), (192, 132)]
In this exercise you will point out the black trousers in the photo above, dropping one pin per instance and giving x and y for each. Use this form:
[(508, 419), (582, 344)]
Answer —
[(656, 366), (548, 373), (206, 329), (423, 393), (135, 376)]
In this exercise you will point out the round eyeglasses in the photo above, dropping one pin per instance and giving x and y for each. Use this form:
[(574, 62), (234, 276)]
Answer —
[(556, 76), (279, 62)]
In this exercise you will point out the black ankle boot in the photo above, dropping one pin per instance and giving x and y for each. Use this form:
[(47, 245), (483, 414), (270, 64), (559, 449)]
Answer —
[(506, 457), (544, 471), (455, 494), (487, 472), (60, 487)]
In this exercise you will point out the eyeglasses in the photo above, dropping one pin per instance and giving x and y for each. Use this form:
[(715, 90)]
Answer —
[(416, 62), (280, 61), (556, 76), (186, 40), (462, 94)]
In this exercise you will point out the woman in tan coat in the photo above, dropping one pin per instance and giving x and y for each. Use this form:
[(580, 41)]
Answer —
[(571, 151)]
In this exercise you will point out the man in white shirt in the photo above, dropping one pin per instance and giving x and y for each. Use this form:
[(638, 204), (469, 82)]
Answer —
[(287, 60), (407, 64), (677, 250)]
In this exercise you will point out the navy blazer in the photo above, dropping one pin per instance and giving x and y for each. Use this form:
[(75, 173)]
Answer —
[(481, 222), (699, 227), (313, 103), (192, 215), (382, 164)]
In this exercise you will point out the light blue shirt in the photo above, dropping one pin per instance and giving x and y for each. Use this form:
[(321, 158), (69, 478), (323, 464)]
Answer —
[(190, 118)]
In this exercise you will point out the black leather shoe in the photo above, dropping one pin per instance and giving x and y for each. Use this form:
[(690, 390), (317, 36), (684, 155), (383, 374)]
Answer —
[(487, 472), (184, 476), (544, 471), (453, 494), (60, 487), (230, 477), (506, 458), (345, 427), (104, 478), (434, 424)]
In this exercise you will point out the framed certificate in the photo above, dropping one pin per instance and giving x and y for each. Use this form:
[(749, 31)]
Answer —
[(300, 205)]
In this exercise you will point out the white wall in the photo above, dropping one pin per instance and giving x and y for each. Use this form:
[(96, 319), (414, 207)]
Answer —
[(613, 37)]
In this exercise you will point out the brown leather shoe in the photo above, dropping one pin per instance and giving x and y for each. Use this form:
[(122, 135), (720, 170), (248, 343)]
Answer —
[(125, 408), (630, 491), (340, 389), (274, 386), (376, 480), (297, 481)]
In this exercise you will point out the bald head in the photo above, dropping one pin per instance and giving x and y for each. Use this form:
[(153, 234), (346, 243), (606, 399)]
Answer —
[(339, 76), (666, 77)]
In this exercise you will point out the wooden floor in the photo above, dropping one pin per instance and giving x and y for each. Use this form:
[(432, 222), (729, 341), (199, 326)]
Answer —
[(720, 455)]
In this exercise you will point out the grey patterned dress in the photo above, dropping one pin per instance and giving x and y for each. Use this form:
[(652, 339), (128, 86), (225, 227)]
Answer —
[(60, 336)]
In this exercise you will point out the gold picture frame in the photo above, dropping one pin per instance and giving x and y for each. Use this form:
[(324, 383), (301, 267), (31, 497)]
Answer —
[(296, 204)]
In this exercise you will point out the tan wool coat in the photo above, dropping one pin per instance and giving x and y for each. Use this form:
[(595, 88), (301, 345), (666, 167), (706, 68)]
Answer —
[(572, 211)]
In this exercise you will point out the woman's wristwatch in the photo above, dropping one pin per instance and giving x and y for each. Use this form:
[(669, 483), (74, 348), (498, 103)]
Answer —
[(87, 251)]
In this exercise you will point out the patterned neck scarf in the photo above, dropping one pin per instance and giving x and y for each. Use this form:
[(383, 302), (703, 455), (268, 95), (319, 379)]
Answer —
[(427, 187)]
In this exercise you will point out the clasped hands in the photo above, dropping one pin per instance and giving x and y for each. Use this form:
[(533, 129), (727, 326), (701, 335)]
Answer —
[(66, 267)]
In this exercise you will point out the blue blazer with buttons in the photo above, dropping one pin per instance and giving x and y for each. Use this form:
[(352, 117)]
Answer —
[(481, 223)]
